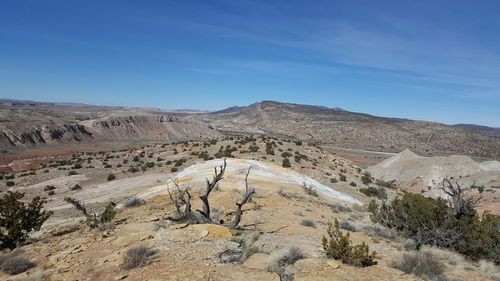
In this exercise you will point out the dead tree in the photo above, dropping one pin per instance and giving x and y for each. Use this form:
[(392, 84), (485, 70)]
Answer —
[(94, 220), (182, 201), (182, 198), (247, 196), (461, 204)]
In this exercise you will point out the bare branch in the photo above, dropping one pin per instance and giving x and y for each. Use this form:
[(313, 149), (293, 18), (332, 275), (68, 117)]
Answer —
[(461, 204), (218, 176), (249, 192), (182, 197)]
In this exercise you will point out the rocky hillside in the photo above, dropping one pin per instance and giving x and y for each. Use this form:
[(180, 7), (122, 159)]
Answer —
[(484, 130), (424, 175), (24, 123), (157, 127), (341, 128)]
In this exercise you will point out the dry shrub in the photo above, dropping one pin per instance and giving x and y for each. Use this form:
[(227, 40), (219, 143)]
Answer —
[(344, 224), (38, 275), (337, 208), (310, 190), (16, 265), (280, 261), (308, 223), (489, 269), (383, 232), (421, 264), (136, 257), (248, 252), (248, 248), (447, 256), (161, 224), (134, 202)]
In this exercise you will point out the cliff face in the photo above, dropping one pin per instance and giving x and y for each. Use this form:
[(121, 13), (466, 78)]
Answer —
[(150, 127), (23, 134), (157, 127)]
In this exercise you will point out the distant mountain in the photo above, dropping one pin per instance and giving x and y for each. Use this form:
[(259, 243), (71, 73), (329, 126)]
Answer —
[(342, 128), (483, 130), (28, 123), (25, 123)]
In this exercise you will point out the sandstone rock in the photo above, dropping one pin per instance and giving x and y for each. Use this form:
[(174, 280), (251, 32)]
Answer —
[(212, 231), (257, 261), (333, 264), (204, 233)]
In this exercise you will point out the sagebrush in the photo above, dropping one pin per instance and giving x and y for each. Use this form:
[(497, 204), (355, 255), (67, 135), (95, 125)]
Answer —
[(421, 264), (137, 256)]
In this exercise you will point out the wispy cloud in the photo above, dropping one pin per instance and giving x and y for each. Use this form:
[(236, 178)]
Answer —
[(416, 49)]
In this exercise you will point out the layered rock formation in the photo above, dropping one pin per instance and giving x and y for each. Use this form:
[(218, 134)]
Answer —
[(155, 127)]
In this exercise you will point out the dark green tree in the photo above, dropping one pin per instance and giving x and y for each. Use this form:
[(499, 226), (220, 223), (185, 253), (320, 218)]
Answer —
[(18, 219)]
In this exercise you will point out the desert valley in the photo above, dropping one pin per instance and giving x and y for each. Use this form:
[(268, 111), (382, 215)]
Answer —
[(248, 193)]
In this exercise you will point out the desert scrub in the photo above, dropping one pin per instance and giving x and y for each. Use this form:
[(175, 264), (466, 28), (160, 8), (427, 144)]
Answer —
[(111, 177), (441, 223), (421, 264), (16, 265), (281, 261), (337, 208), (247, 241), (308, 223), (366, 179), (374, 192), (489, 269), (342, 177), (136, 257), (309, 190), (338, 246), (134, 202), (344, 224), (49, 187)]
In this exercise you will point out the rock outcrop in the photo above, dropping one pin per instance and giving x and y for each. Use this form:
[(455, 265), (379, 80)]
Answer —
[(153, 127)]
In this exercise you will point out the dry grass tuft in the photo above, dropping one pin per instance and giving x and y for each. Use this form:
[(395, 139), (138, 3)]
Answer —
[(136, 257), (134, 202), (421, 264), (489, 270), (344, 224), (448, 256), (280, 262)]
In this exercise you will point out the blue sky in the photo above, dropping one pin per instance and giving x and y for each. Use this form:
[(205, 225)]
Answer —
[(426, 60)]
